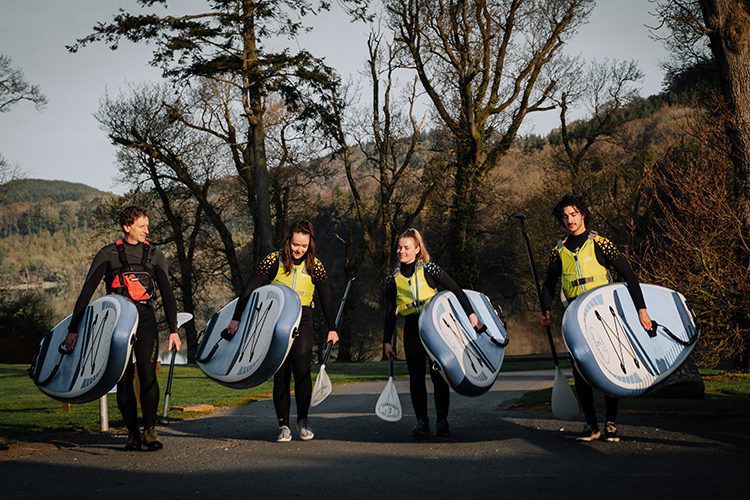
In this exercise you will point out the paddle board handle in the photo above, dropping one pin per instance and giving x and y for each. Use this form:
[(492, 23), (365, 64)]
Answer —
[(522, 219)]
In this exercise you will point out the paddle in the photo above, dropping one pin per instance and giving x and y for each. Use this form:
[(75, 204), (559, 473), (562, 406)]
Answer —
[(388, 407), (182, 318), (323, 385), (564, 402)]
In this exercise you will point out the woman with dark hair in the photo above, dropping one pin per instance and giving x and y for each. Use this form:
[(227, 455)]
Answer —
[(414, 282), (295, 266), (581, 262)]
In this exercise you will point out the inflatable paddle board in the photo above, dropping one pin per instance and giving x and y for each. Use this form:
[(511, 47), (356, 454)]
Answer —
[(263, 339), (468, 360), (98, 359), (610, 347)]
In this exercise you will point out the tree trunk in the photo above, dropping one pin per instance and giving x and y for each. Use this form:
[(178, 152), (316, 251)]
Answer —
[(728, 26)]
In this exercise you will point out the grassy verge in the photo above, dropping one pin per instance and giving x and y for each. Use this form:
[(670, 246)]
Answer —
[(727, 394)]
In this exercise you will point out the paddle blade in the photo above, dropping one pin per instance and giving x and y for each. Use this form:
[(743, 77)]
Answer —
[(388, 406), (322, 387), (564, 402)]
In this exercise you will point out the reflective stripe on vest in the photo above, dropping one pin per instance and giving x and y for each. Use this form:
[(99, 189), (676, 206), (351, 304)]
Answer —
[(412, 294), (581, 271), (298, 280)]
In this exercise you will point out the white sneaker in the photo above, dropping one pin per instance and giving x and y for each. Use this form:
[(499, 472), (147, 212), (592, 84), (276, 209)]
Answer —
[(305, 433), (285, 434)]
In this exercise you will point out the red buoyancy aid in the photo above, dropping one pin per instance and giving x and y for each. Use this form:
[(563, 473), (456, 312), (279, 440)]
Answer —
[(129, 282)]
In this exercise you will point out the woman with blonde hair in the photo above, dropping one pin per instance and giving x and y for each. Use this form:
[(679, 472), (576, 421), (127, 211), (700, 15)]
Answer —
[(408, 290), (297, 267)]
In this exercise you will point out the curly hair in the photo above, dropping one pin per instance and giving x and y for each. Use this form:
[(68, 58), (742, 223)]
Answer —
[(129, 214), (572, 200)]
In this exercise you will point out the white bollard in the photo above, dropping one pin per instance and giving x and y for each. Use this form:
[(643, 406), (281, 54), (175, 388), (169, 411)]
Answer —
[(104, 413)]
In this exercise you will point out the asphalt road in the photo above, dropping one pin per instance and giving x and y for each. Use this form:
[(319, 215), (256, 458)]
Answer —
[(491, 453)]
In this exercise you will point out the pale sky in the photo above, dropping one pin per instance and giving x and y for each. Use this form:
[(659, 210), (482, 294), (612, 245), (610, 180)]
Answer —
[(63, 141)]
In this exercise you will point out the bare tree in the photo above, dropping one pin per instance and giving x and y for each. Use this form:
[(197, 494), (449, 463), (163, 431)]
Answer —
[(226, 44), (14, 88), (603, 89), (485, 66), (390, 172)]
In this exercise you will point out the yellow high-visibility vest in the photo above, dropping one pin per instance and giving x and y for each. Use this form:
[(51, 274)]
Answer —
[(581, 271), (413, 293), (298, 280)]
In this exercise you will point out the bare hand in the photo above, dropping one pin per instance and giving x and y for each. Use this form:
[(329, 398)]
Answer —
[(232, 327), (544, 319), (70, 340), (645, 319), (333, 336), (388, 350), (475, 322), (174, 340)]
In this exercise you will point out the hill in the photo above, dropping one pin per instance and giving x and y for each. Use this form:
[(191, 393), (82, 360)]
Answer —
[(33, 190)]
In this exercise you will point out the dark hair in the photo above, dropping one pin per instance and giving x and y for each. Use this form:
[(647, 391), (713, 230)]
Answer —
[(572, 200), (129, 214), (304, 227)]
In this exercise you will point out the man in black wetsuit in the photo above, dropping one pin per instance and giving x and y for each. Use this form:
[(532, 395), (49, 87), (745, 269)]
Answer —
[(131, 267), (581, 262)]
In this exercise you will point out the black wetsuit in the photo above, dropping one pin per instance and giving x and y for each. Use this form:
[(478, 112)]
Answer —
[(416, 356), (106, 264), (299, 360), (609, 257)]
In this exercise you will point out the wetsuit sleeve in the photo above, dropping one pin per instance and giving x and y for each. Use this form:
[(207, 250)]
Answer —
[(554, 272), (390, 310), (608, 256), (445, 282), (320, 280), (161, 274), (263, 271), (96, 272)]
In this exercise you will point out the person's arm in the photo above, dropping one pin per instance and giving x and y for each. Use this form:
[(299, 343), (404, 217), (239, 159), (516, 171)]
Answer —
[(266, 268), (96, 272), (320, 280), (609, 256), (444, 281), (554, 271), (390, 317), (161, 275)]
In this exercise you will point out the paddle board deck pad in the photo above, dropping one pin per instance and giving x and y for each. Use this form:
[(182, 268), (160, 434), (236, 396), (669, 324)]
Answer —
[(263, 339), (98, 359), (610, 347), (468, 360)]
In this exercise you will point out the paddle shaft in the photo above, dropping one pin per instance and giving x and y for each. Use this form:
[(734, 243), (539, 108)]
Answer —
[(522, 220), (339, 313), (168, 391)]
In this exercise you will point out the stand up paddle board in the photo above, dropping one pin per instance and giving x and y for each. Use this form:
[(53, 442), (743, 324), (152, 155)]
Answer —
[(263, 339), (98, 359), (468, 360), (610, 347)]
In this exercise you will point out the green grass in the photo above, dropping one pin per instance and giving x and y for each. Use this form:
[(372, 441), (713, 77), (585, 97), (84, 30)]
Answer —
[(726, 394), (26, 413)]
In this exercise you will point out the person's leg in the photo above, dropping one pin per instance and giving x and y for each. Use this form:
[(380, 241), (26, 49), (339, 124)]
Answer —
[(610, 427), (146, 352), (301, 369), (282, 380), (415, 361), (127, 403), (442, 395), (586, 399)]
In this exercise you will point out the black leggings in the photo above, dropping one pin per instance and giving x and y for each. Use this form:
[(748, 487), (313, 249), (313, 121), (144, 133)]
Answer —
[(145, 349), (299, 364), (416, 357), (586, 397)]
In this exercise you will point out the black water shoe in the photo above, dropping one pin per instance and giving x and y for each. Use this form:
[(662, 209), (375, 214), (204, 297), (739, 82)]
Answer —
[(151, 440), (421, 430)]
